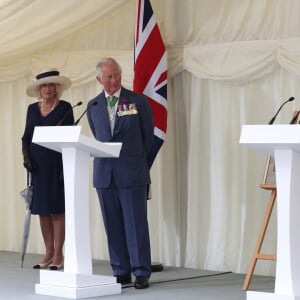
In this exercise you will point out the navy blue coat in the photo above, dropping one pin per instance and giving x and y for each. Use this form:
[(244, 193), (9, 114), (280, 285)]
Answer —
[(47, 177), (134, 131)]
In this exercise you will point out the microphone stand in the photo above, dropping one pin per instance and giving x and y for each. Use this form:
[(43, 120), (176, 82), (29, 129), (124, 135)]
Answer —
[(295, 117), (273, 119), (69, 111), (92, 104)]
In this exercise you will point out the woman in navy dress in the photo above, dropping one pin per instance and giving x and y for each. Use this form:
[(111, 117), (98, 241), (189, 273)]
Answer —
[(46, 165)]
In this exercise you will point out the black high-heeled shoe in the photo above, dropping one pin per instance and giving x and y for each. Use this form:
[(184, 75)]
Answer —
[(43, 265), (56, 267)]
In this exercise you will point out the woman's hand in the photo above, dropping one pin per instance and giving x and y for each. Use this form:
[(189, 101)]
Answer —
[(27, 162)]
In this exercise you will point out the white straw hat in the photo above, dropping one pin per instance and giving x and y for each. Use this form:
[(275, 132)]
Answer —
[(48, 76)]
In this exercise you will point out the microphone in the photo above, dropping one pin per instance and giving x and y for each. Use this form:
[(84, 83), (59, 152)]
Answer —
[(295, 117), (68, 112), (88, 107), (273, 119)]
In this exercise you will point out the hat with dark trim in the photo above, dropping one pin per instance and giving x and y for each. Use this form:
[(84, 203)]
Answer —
[(48, 76)]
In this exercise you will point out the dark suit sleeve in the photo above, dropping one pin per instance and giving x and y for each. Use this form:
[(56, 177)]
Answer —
[(91, 124), (28, 131)]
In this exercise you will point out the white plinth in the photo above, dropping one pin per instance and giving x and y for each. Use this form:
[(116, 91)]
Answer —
[(76, 286), (283, 143), (77, 280), (269, 296)]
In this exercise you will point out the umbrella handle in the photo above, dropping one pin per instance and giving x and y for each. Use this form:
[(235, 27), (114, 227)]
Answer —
[(29, 178)]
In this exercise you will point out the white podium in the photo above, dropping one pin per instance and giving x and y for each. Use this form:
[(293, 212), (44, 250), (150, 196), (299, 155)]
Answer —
[(283, 143), (77, 279)]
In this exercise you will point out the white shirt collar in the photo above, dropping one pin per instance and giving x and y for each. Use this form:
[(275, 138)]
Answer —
[(116, 94)]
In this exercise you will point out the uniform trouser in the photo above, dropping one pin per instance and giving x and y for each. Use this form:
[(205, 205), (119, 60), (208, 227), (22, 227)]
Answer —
[(124, 212)]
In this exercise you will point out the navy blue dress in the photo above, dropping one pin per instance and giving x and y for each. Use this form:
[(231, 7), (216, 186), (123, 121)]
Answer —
[(47, 177)]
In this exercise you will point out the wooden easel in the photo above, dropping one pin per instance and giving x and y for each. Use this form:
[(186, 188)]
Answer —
[(257, 254), (272, 187)]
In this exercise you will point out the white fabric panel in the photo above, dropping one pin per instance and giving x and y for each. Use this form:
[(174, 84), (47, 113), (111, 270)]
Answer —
[(38, 23), (231, 63)]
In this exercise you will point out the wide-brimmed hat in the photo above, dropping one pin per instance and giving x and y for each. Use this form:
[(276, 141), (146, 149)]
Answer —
[(48, 76)]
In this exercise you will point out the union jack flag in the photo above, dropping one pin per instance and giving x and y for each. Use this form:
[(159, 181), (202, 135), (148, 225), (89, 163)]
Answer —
[(150, 71)]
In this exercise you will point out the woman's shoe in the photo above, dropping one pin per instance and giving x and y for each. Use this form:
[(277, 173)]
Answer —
[(56, 267), (43, 265)]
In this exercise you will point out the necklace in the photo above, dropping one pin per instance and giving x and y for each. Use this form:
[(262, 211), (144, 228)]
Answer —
[(111, 104), (43, 106), (111, 113)]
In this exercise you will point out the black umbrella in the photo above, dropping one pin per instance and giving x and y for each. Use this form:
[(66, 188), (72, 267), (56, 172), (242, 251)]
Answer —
[(27, 196)]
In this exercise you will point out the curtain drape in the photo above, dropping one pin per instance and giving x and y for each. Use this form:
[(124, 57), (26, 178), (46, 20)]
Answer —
[(230, 62)]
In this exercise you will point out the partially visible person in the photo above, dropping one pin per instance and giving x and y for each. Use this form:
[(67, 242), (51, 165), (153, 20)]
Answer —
[(46, 165), (121, 183)]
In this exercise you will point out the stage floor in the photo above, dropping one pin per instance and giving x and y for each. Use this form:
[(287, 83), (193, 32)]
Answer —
[(171, 283)]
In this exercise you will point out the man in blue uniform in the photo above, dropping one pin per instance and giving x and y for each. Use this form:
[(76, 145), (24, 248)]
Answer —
[(121, 183)]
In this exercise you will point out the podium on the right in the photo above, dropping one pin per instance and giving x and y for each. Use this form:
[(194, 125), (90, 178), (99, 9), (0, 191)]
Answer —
[(283, 143)]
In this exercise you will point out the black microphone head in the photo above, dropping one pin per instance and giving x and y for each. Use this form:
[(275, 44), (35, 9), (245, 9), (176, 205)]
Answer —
[(79, 103), (292, 98)]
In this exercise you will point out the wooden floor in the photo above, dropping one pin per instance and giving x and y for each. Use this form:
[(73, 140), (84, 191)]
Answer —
[(170, 284)]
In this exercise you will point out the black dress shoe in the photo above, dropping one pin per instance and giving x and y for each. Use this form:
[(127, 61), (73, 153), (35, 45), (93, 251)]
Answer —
[(141, 282), (123, 279)]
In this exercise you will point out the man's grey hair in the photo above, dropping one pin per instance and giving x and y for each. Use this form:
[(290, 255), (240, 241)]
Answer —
[(106, 61)]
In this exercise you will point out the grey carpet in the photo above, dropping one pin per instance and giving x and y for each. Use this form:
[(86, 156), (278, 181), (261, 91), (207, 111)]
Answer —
[(172, 283)]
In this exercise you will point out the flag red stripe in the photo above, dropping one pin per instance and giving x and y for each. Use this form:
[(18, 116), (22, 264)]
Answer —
[(162, 77), (159, 115), (144, 67)]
